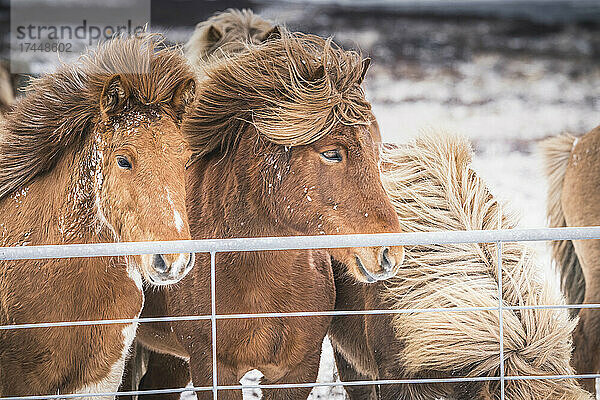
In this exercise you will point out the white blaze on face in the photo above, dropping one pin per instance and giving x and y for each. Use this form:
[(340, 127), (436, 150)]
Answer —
[(176, 215)]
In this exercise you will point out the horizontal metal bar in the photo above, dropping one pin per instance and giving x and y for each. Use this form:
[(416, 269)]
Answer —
[(253, 386), (309, 385), (236, 316), (296, 242), (286, 314), (406, 381), (108, 394), (102, 322), (361, 383), (550, 377)]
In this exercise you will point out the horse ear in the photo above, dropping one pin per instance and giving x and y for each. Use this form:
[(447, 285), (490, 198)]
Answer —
[(318, 73), (213, 34), (273, 33), (184, 95), (113, 96), (365, 66)]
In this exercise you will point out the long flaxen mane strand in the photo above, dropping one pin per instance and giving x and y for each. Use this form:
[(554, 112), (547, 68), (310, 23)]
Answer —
[(557, 152), (433, 188), (61, 108), (229, 31), (294, 90)]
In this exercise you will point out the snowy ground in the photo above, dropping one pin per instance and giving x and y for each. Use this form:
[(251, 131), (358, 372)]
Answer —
[(504, 84)]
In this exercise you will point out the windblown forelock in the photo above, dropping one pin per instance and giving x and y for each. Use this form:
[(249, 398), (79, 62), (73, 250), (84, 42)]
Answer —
[(279, 87), (60, 108)]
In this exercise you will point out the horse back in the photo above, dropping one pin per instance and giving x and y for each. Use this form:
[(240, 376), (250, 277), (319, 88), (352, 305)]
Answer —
[(579, 198)]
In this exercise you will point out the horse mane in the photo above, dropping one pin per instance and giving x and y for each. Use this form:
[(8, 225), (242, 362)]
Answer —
[(60, 108), (557, 152), (293, 89), (434, 188), (231, 27)]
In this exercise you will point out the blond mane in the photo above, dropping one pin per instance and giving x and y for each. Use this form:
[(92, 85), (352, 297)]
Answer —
[(61, 108), (294, 90), (433, 188), (228, 31), (556, 152)]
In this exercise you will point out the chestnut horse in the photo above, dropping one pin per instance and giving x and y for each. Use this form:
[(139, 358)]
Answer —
[(227, 32), (93, 153), (284, 149), (573, 175), (433, 188)]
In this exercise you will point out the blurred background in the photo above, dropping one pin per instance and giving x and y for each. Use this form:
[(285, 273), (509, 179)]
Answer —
[(506, 73)]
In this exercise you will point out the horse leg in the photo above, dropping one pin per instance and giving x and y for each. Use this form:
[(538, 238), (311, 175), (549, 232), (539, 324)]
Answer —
[(353, 355), (421, 391), (200, 367), (305, 372), (164, 372), (586, 337), (135, 368), (585, 343), (348, 373)]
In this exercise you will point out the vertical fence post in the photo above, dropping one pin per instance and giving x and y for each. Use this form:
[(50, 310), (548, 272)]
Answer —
[(500, 313), (213, 322)]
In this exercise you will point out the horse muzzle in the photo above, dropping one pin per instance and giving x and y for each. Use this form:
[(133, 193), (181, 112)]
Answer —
[(384, 264), (167, 269)]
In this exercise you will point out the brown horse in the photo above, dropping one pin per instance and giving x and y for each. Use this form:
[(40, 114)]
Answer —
[(231, 32), (93, 153), (227, 32), (573, 174), (284, 149), (434, 188)]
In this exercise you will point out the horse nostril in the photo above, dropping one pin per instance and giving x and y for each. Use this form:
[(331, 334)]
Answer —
[(386, 263), (159, 263), (191, 261)]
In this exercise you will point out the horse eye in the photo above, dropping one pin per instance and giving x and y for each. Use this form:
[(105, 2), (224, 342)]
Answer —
[(123, 162), (332, 155)]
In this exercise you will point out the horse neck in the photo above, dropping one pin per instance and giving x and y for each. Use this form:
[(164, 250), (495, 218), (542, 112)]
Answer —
[(55, 207), (225, 201)]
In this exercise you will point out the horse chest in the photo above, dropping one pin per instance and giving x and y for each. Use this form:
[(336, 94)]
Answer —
[(254, 344), (80, 358), (104, 369), (111, 381)]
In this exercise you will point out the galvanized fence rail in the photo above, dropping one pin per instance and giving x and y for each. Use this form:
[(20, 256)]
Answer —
[(214, 246)]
